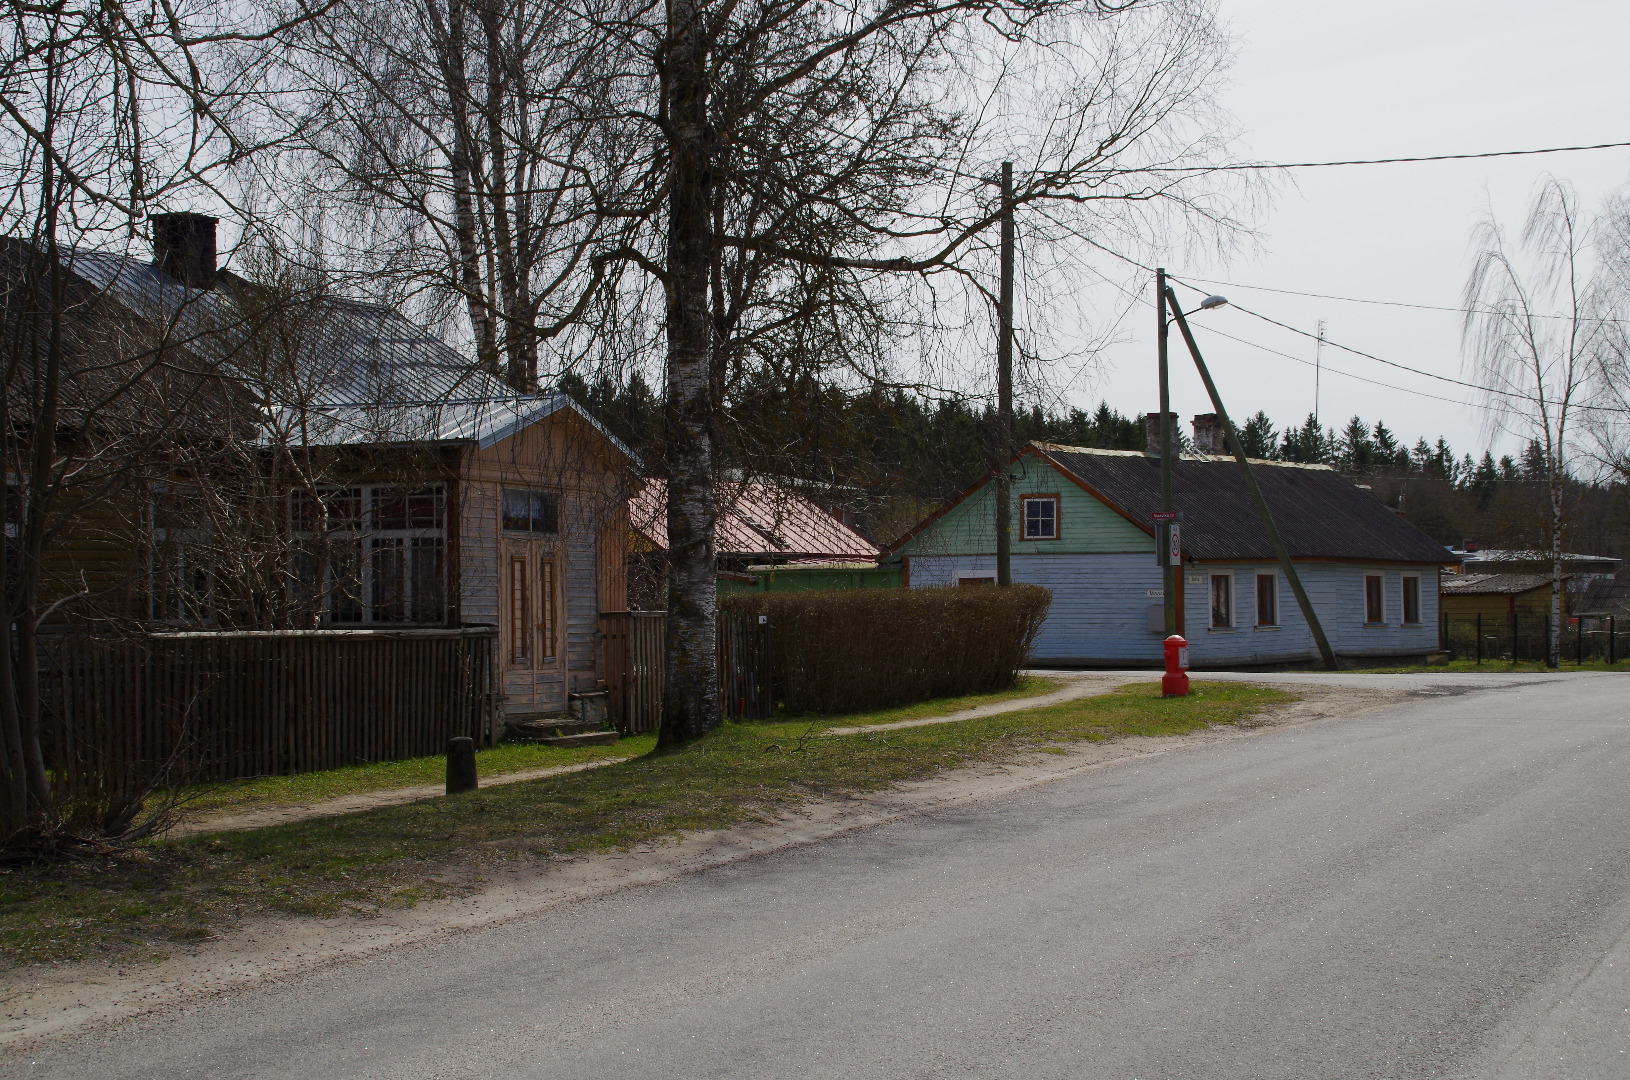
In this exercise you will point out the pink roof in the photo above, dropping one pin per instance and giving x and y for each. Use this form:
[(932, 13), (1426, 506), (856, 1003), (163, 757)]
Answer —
[(764, 520)]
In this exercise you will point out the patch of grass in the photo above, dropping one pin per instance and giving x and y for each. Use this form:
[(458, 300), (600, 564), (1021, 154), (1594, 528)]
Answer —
[(136, 905), (1026, 686), (304, 788)]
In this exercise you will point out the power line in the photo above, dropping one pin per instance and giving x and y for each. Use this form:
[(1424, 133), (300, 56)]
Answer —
[(1379, 303), (1244, 166)]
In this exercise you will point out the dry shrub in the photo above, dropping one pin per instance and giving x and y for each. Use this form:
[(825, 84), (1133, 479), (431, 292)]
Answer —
[(849, 650)]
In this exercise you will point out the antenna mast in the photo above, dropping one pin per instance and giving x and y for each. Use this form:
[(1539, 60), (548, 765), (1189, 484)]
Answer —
[(1318, 371)]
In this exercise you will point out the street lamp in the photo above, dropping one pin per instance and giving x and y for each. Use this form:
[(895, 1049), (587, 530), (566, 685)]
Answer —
[(1213, 301)]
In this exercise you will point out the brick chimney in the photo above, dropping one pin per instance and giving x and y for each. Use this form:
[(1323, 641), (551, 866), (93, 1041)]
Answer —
[(1151, 432), (1470, 546), (1208, 435), (184, 248)]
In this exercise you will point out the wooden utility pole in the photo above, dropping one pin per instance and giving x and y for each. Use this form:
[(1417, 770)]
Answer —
[(1004, 390), (1170, 576), (1238, 447)]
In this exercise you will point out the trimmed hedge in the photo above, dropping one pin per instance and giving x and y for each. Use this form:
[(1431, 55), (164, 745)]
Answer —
[(848, 650)]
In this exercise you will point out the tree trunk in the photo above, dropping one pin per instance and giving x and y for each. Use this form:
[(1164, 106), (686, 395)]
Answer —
[(464, 162), (690, 698)]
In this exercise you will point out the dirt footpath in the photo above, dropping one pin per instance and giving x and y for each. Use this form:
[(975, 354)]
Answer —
[(42, 1002)]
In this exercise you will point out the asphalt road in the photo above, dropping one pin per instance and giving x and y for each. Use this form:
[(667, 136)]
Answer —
[(1440, 889)]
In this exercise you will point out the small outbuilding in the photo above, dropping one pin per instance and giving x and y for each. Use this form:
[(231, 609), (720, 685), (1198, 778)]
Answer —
[(1082, 527)]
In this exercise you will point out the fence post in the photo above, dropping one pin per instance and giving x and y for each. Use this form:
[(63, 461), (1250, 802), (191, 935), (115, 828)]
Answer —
[(1513, 637), (1479, 637), (1612, 642), (1579, 634)]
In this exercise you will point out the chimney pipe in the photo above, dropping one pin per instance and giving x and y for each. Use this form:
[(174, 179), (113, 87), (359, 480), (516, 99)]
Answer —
[(1151, 433), (1208, 435), (184, 248)]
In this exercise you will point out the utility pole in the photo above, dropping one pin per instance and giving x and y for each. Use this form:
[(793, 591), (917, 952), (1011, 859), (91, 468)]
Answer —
[(1004, 390), (1281, 552), (1169, 579)]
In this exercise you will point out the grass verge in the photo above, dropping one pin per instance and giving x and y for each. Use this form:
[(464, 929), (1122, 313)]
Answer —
[(141, 904), (305, 788)]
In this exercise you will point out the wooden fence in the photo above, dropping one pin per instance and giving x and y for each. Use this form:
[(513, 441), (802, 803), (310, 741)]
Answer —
[(187, 707), (634, 664)]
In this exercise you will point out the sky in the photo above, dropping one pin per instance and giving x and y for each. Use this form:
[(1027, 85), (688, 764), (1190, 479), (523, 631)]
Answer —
[(1317, 80)]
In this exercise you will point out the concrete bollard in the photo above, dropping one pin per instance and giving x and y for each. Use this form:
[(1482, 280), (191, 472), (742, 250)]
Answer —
[(461, 765)]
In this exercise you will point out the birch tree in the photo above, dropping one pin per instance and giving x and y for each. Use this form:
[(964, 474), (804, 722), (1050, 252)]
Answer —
[(1531, 335)]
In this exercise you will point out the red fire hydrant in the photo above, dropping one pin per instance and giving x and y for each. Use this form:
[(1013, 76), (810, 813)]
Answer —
[(1175, 683)]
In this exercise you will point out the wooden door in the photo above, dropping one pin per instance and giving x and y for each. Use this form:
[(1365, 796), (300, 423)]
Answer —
[(533, 638)]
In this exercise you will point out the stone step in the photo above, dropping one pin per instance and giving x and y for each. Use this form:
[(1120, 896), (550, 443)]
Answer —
[(585, 738), (548, 726)]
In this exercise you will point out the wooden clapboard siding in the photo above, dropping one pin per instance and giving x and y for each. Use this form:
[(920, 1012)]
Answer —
[(478, 552), (1099, 614), (1086, 525), (562, 454)]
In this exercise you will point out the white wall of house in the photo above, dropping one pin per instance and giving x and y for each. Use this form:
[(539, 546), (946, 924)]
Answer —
[(1101, 608)]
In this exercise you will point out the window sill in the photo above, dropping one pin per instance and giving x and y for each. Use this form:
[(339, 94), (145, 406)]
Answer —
[(1220, 629), (1267, 627), (1376, 625)]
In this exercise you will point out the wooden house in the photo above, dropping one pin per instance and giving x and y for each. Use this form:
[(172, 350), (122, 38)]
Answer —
[(428, 493), (1082, 527), (1466, 596)]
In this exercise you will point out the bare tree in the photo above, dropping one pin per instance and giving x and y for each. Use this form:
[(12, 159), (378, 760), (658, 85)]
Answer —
[(112, 112), (1532, 334), (804, 184)]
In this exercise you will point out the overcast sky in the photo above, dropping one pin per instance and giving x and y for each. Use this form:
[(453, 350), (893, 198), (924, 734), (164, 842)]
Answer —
[(1318, 80)]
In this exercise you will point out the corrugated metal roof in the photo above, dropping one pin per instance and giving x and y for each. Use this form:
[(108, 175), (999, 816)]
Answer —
[(1605, 596), (368, 375), (1492, 584), (761, 519), (1491, 558), (1319, 514)]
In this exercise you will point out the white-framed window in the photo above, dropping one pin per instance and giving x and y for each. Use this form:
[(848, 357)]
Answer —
[(375, 554), (1375, 607), (1412, 599), (1222, 601), (178, 565), (1267, 599), (1039, 517)]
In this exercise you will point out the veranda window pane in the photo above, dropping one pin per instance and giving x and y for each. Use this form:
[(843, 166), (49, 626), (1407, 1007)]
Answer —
[(390, 581), (428, 574)]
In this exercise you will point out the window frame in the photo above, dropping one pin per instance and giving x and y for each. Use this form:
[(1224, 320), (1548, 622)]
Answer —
[(1024, 516), (181, 601), (364, 601), (1403, 598), (1227, 579), (1273, 581), (550, 529), (1380, 578)]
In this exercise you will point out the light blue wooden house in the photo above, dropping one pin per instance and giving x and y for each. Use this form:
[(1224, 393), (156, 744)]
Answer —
[(1082, 527)]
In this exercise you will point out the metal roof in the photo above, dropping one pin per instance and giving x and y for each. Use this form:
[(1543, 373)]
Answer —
[(1492, 584), (1319, 514), (761, 519), (1493, 556), (367, 375)]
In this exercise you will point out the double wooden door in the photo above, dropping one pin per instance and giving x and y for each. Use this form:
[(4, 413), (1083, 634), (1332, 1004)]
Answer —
[(533, 631)]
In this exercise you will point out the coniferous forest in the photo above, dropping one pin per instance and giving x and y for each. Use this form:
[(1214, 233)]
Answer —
[(890, 457)]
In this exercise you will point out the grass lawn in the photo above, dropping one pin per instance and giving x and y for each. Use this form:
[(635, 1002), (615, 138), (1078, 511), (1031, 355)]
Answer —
[(135, 905), (305, 788)]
